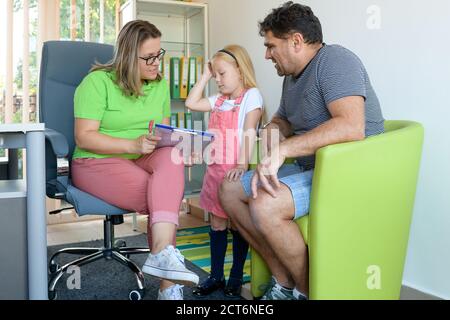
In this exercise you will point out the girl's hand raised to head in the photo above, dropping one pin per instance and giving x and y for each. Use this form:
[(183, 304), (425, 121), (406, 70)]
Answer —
[(207, 72), (195, 101)]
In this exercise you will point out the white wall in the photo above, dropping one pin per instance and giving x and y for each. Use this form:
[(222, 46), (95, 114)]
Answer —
[(408, 60)]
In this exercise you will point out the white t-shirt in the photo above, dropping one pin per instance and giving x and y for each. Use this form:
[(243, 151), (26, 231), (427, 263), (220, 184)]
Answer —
[(252, 100)]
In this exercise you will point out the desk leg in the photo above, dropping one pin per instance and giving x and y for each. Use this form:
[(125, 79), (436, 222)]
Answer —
[(36, 217)]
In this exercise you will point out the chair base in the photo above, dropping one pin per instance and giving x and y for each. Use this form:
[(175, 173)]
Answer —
[(116, 250)]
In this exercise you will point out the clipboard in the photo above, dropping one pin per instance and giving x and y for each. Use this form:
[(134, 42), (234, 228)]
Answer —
[(180, 138)]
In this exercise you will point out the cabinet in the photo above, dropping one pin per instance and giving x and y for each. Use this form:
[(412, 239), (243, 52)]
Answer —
[(13, 230), (184, 27), (23, 268)]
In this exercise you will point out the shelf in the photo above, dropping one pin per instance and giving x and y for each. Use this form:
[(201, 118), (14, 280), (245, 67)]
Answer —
[(183, 43), (167, 8), (184, 28), (194, 49)]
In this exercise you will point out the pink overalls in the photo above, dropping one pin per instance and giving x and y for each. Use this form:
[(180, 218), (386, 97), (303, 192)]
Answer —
[(219, 122)]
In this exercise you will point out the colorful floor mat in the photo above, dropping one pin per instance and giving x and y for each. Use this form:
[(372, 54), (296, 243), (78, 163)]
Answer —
[(194, 245)]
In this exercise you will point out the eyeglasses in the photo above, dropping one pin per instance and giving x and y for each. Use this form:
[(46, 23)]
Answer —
[(151, 60)]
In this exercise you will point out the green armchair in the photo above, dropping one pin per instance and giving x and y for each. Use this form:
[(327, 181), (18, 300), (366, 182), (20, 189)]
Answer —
[(360, 213)]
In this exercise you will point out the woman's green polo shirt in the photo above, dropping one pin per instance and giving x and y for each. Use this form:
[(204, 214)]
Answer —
[(99, 98)]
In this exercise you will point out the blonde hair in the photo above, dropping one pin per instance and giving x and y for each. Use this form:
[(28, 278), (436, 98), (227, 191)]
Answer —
[(241, 60), (125, 62)]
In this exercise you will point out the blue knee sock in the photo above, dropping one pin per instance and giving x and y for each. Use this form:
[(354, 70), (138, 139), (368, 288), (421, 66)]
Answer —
[(218, 247), (240, 249)]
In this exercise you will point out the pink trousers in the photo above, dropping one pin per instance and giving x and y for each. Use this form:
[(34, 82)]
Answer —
[(152, 184)]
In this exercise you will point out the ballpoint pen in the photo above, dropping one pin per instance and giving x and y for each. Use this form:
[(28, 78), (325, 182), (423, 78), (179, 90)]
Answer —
[(150, 126)]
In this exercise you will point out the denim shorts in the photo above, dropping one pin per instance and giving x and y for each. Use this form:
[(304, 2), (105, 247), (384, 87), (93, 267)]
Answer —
[(298, 181)]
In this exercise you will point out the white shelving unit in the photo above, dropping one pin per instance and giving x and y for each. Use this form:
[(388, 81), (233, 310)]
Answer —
[(184, 28), (184, 24)]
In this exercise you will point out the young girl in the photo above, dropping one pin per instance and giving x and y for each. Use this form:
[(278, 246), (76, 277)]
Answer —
[(235, 114)]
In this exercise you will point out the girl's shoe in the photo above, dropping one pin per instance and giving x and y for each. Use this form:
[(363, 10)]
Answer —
[(208, 286), (233, 288)]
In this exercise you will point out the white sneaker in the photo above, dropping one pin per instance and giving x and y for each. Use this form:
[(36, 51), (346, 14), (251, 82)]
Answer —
[(169, 265), (174, 292)]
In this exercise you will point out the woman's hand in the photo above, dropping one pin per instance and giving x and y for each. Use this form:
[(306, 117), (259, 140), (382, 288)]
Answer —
[(236, 173), (145, 144)]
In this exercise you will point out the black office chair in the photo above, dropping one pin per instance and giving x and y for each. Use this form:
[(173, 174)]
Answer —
[(64, 65)]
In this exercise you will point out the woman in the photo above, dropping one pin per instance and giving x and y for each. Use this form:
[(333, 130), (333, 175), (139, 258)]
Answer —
[(116, 158)]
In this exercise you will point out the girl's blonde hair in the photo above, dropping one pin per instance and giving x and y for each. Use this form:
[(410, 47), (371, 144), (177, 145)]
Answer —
[(239, 57), (125, 62)]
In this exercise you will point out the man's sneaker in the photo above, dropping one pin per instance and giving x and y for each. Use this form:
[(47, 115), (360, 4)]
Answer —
[(169, 264), (174, 292), (277, 292), (299, 295)]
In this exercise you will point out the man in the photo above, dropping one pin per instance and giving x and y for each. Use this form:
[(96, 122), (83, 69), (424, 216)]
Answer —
[(327, 98)]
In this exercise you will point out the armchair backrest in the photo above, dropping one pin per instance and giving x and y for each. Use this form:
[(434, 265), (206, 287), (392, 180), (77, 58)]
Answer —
[(64, 65)]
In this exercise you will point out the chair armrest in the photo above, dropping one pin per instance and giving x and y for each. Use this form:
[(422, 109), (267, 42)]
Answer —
[(58, 143), (56, 164)]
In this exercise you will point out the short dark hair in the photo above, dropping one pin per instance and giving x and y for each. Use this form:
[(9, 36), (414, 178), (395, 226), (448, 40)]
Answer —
[(290, 18)]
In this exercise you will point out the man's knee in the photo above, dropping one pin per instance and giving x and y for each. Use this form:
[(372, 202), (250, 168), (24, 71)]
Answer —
[(230, 194), (262, 212), (225, 194), (229, 190), (218, 224)]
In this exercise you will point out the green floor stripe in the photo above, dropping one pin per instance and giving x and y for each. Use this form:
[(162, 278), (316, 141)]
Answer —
[(194, 245)]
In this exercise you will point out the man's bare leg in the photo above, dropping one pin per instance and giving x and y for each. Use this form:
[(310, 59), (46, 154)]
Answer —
[(272, 217), (235, 203)]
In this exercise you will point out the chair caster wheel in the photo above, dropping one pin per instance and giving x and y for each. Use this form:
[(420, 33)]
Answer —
[(120, 243), (53, 267), (52, 295), (136, 294)]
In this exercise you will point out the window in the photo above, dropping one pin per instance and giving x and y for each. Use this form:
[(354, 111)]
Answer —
[(24, 29), (25, 25)]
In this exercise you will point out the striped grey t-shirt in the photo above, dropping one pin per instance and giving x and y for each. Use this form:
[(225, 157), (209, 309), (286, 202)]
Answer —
[(335, 72)]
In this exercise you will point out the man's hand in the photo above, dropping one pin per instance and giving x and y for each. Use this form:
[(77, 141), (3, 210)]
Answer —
[(271, 137), (266, 173), (236, 173)]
